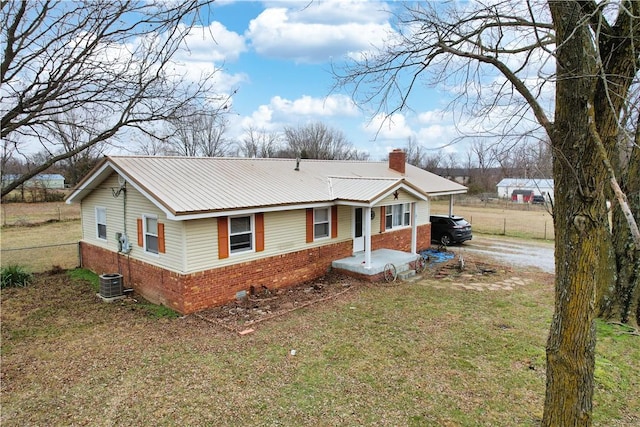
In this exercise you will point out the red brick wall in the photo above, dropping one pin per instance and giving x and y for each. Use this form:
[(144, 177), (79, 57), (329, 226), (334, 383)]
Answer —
[(188, 293), (401, 239)]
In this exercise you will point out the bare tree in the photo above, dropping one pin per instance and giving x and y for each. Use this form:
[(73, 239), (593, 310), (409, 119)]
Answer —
[(595, 47), (109, 60), (433, 162), (481, 159), (198, 133), (68, 132), (259, 143), (415, 153), (318, 141)]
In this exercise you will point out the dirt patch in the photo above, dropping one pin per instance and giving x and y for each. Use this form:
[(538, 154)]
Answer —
[(259, 305)]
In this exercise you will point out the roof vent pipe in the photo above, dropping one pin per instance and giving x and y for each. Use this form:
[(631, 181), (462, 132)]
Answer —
[(297, 163)]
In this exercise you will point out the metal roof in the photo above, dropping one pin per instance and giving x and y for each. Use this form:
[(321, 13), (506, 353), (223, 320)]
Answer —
[(526, 182), (188, 186)]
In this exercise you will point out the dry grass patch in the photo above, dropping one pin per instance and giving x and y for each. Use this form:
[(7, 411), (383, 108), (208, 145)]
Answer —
[(23, 245), (36, 213), (377, 355)]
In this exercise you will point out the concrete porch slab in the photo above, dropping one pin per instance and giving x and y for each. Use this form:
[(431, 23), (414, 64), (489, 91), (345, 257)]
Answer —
[(379, 258)]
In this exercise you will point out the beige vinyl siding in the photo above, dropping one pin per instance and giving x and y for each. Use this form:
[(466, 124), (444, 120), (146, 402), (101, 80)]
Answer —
[(136, 206), (403, 197), (201, 244), (102, 197), (345, 230), (422, 210), (284, 232)]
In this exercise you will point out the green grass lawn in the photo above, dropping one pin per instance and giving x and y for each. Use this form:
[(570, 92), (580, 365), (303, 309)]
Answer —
[(400, 355)]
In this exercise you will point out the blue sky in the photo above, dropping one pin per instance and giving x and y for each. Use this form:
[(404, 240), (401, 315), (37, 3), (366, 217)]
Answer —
[(278, 55)]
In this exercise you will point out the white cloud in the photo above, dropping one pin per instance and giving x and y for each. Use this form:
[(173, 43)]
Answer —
[(333, 105), (212, 43), (392, 127), (319, 32)]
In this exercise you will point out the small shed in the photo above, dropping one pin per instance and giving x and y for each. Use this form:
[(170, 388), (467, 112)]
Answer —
[(522, 196), (542, 187), (51, 181)]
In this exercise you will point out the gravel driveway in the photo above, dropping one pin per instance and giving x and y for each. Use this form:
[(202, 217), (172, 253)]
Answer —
[(511, 251)]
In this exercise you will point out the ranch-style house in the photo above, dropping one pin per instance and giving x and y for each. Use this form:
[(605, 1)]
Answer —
[(193, 233)]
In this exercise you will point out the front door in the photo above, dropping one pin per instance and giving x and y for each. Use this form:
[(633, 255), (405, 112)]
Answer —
[(358, 227)]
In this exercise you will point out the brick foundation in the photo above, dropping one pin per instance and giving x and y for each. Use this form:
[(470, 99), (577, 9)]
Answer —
[(188, 293)]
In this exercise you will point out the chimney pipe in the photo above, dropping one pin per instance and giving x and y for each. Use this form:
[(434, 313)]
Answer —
[(397, 160)]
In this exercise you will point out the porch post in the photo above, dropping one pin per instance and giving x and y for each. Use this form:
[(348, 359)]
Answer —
[(450, 204), (414, 228), (367, 237)]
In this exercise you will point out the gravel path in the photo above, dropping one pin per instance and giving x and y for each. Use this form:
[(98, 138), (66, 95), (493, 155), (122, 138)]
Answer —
[(510, 251)]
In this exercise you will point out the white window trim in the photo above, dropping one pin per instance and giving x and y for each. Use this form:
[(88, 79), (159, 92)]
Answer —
[(144, 234), (105, 238), (253, 235), (328, 236), (406, 207)]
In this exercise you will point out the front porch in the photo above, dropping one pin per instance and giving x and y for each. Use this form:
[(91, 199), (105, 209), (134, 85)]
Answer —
[(355, 264)]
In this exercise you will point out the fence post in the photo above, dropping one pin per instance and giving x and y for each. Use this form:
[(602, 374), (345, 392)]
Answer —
[(545, 230), (504, 227), (79, 256)]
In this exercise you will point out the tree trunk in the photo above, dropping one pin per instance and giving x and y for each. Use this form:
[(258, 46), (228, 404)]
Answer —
[(618, 53), (627, 254), (579, 178)]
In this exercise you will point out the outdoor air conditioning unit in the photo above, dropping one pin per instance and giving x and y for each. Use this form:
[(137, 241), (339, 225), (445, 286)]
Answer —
[(111, 285)]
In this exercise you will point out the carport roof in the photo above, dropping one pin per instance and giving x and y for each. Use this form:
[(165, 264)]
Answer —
[(210, 186)]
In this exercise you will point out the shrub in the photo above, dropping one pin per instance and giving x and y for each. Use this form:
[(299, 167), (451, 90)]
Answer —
[(13, 276)]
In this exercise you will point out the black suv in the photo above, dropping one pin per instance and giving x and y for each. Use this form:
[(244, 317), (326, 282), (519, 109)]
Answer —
[(538, 200), (449, 229)]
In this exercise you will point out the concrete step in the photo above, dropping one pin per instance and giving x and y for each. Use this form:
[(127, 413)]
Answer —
[(406, 275)]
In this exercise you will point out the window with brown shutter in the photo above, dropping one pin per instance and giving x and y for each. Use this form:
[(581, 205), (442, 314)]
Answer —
[(309, 225), (259, 222), (334, 221), (140, 233), (223, 237), (161, 244)]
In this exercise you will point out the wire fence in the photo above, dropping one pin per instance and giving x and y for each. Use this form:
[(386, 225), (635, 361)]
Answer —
[(26, 214), (513, 227), (38, 259), (502, 217)]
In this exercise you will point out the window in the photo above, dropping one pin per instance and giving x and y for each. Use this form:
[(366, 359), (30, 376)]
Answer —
[(151, 234), (398, 216), (320, 223), (240, 234), (101, 222)]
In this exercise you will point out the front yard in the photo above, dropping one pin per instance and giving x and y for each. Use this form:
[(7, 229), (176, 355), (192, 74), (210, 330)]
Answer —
[(434, 352)]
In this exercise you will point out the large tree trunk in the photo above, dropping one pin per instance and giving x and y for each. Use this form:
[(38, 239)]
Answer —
[(579, 213), (618, 53), (627, 290)]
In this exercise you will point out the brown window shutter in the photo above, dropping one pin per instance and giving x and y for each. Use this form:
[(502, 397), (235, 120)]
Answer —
[(161, 247), (259, 220), (140, 235), (334, 221), (383, 219), (223, 237), (309, 225)]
